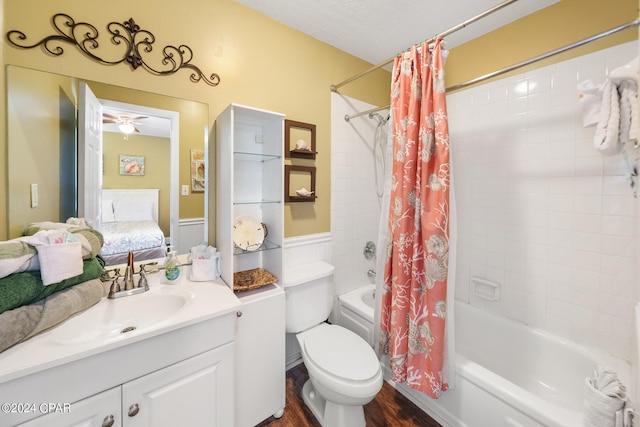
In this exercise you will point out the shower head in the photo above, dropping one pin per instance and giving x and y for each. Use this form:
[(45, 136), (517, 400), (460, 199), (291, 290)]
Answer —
[(381, 120)]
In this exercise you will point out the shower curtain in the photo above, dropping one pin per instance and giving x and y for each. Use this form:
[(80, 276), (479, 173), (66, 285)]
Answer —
[(413, 331)]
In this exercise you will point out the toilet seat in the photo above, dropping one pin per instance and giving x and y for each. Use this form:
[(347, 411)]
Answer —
[(341, 353)]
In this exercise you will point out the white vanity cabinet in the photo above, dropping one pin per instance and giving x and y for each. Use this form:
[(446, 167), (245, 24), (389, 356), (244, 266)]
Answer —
[(100, 410), (182, 373), (249, 181), (191, 393)]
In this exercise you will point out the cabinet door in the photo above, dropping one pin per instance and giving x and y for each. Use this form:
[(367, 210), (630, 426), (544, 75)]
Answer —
[(100, 410), (193, 393), (260, 356)]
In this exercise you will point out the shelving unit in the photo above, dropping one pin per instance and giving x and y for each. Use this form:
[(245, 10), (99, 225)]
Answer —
[(249, 182)]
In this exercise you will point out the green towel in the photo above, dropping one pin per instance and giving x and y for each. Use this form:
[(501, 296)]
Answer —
[(24, 322), (24, 288)]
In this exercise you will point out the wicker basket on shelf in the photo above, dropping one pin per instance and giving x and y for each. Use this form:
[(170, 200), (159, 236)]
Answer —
[(252, 279)]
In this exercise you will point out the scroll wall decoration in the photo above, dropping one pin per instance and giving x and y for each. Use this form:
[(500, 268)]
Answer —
[(136, 42)]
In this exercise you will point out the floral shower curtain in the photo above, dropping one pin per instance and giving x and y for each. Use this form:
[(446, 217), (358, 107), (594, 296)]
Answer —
[(413, 312)]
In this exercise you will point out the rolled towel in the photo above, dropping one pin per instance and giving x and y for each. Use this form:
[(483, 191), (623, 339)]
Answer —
[(628, 91), (604, 399), (606, 138)]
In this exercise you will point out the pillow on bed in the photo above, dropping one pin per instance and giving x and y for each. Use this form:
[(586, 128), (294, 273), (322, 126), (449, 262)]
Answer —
[(107, 211), (133, 211)]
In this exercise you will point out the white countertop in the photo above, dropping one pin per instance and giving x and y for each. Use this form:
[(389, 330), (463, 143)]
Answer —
[(204, 301)]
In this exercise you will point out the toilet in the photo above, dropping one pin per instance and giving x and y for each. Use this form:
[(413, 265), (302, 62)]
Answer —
[(344, 372)]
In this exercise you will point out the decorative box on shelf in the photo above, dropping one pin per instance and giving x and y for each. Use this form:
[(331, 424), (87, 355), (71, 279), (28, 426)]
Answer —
[(299, 140), (303, 188)]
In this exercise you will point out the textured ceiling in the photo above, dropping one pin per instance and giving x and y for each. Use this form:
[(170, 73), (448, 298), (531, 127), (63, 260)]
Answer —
[(376, 30)]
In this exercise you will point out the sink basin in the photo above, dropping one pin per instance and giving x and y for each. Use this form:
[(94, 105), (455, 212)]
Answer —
[(112, 318)]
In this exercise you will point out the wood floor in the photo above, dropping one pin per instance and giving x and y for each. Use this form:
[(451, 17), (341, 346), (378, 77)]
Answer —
[(389, 408)]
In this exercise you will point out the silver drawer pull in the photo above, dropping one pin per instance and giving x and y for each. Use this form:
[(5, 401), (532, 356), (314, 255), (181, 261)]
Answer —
[(108, 421), (133, 410)]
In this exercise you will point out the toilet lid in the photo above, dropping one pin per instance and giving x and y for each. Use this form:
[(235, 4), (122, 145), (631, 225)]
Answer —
[(342, 353)]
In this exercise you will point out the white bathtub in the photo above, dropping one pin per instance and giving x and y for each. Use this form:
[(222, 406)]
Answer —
[(507, 374), (355, 311)]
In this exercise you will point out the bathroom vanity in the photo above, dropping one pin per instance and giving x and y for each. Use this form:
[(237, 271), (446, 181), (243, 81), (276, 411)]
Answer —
[(111, 366)]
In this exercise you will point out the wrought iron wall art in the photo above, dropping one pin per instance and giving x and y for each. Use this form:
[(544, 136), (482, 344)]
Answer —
[(135, 42)]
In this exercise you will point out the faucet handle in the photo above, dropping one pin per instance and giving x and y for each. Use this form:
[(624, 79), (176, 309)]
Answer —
[(115, 287), (143, 282)]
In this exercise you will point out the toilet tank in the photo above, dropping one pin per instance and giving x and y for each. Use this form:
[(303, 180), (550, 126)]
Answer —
[(309, 293)]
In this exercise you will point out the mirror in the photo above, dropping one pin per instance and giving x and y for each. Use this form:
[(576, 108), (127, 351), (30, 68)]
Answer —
[(43, 126)]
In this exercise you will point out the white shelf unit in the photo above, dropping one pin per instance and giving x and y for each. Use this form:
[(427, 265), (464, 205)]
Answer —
[(250, 170), (249, 181)]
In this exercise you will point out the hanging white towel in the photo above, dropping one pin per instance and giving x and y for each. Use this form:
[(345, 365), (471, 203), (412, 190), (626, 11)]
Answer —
[(606, 138), (604, 399), (628, 91)]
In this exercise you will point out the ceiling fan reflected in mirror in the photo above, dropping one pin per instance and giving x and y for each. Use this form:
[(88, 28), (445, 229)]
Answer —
[(126, 124)]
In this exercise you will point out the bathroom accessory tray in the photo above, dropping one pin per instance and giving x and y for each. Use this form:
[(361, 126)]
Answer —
[(252, 279)]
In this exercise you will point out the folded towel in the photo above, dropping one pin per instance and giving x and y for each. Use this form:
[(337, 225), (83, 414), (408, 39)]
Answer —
[(90, 248), (26, 287), (590, 98), (17, 256), (606, 138), (604, 399), (59, 262), (25, 322)]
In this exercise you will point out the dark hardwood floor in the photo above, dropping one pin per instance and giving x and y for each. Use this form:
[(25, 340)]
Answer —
[(389, 408)]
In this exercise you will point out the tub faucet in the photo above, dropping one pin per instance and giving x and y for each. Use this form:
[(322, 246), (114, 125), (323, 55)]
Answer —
[(371, 273)]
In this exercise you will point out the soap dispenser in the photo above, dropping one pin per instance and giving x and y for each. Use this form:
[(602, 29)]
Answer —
[(172, 269)]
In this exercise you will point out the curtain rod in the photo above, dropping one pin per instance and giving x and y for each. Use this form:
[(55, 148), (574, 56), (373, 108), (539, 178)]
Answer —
[(513, 67), (334, 88)]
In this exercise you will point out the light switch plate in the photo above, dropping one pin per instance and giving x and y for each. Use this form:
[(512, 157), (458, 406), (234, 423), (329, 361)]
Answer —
[(185, 190), (34, 195)]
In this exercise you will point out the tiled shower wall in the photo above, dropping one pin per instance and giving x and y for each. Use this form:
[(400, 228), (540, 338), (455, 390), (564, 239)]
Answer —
[(540, 211), (355, 207)]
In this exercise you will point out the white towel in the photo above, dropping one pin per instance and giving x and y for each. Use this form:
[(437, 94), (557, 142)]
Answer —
[(604, 399), (590, 98), (59, 254), (59, 261), (205, 263), (606, 138), (628, 91)]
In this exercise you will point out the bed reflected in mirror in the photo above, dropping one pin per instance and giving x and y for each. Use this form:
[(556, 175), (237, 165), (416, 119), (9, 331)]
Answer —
[(145, 143)]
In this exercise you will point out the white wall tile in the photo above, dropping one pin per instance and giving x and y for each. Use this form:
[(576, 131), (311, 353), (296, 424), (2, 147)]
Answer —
[(543, 211), (355, 211)]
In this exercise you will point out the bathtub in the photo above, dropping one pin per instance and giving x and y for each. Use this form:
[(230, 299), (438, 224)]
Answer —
[(355, 311), (507, 374)]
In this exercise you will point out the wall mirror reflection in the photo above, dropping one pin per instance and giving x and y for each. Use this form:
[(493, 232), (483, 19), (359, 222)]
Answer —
[(111, 155)]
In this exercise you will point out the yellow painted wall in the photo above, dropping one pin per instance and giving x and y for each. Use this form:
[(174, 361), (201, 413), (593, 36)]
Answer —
[(157, 160), (265, 64), (33, 158), (191, 136), (558, 25), (261, 62)]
